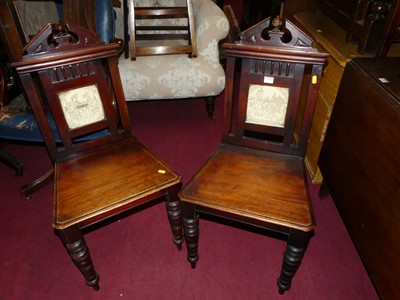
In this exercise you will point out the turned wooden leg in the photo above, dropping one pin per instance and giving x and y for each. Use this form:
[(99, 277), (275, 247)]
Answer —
[(174, 215), (28, 189), (210, 106), (191, 232), (296, 247), (75, 243)]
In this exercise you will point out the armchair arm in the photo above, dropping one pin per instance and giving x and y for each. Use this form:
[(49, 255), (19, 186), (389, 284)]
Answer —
[(211, 27)]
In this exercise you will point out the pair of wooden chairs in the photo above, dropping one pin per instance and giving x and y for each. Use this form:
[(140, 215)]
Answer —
[(256, 176)]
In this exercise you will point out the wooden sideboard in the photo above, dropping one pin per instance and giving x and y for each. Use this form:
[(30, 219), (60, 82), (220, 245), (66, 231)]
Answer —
[(360, 162), (331, 38)]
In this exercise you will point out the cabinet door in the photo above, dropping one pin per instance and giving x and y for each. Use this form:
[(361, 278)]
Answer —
[(360, 163)]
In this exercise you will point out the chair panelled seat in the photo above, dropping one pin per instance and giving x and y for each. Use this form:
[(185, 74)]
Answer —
[(254, 184), (88, 175)]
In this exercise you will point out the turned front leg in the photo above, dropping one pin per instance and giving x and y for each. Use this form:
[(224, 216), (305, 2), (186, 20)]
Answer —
[(80, 255), (296, 247), (191, 232), (174, 215)]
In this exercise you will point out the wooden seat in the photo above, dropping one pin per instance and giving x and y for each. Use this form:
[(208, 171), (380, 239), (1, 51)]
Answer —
[(257, 175), (159, 30), (89, 175), (109, 173), (254, 184)]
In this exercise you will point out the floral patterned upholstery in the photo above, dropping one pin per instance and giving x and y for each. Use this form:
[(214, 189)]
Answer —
[(178, 76)]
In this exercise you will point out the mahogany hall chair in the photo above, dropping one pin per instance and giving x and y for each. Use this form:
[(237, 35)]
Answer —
[(257, 175), (68, 74)]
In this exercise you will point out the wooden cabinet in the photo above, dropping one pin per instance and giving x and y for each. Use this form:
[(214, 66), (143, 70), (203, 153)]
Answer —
[(372, 24), (360, 163), (331, 38)]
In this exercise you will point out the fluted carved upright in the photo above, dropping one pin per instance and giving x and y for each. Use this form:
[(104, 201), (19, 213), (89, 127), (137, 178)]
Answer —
[(296, 247), (174, 215)]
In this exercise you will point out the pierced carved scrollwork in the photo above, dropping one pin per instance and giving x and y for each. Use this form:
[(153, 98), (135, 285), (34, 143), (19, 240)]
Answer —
[(56, 37), (276, 32)]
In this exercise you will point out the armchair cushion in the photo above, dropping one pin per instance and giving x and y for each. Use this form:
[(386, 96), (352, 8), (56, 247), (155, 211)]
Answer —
[(18, 123), (178, 76)]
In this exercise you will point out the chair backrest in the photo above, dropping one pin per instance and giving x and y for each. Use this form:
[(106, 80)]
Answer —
[(72, 79), (159, 27), (278, 82)]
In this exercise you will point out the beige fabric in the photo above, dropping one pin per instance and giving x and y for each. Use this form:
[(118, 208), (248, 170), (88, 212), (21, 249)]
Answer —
[(178, 76)]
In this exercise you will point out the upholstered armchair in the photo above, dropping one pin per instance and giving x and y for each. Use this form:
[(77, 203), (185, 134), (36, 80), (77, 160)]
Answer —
[(178, 76)]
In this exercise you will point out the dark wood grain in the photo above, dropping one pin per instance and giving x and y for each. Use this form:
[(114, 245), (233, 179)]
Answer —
[(360, 163)]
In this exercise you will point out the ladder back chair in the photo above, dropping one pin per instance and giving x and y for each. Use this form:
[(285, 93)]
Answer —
[(156, 30), (257, 175), (71, 76)]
